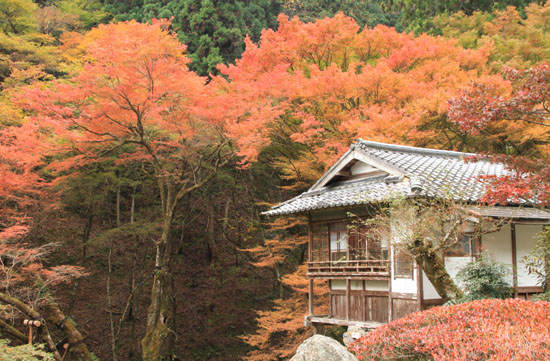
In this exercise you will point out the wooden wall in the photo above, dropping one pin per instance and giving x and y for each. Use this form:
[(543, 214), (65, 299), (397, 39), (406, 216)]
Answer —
[(402, 306), (364, 305)]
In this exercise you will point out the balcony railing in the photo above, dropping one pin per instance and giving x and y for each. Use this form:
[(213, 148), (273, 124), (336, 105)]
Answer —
[(358, 268)]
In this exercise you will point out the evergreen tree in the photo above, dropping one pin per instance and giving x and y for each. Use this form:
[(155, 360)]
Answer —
[(364, 12), (213, 30)]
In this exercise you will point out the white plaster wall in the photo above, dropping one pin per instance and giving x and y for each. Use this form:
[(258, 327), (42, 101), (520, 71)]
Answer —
[(454, 264), (526, 235), (428, 289), (361, 167), (341, 285), (338, 284), (356, 285), (499, 245), (376, 285)]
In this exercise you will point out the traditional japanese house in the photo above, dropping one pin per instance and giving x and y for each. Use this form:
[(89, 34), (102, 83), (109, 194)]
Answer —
[(372, 281)]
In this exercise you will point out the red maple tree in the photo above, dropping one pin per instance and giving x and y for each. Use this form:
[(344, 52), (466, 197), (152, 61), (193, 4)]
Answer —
[(133, 93)]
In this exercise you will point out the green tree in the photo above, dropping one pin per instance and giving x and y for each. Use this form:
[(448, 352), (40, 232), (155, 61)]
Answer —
[(213, 30), (16, 16), (364, 12), (417, 15)]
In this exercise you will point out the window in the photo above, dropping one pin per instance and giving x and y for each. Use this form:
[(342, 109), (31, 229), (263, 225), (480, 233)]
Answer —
[(384, 249), (403, 264), (462, 247), (357, 243), (319, 243), (338, 233)]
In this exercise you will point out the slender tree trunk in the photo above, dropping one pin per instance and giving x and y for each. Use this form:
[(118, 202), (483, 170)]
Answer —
[(211, 236), (114, 338), (432, 264), (546, 282), (158, 343), (12, 331), (86, 237), (133, 207), (118, 224)]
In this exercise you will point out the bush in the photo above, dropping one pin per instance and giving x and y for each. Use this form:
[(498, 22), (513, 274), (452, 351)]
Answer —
[(483, 279), (491, 329), (23, 353)]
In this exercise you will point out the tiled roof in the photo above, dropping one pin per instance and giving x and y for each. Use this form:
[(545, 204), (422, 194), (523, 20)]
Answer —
[(510, 212), (424, 173)]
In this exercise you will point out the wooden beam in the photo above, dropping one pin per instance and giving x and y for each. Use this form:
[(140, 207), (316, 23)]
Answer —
[(348, 298), (342, 275), (404, 296), (340, 322), (514, 259), (328, 240), (310, 241), (311, 295), (390, 301), (330, 293), (419, 287)]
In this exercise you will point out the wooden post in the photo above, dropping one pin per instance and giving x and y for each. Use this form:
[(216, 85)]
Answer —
[(66, 347), (514, 259), (31, 324), (329, 254), (310, 242), (390, 279), (330, 314), (348, 298), (419, 287), (311, 295)]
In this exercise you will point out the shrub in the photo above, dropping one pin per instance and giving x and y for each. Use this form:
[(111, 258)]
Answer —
[(483, 279), (490, 329), (23, 353)]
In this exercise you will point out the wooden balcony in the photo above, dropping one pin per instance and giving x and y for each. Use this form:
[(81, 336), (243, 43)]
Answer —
[(371, 269)]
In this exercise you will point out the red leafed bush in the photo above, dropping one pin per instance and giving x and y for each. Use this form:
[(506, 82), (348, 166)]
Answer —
[(510, 329)]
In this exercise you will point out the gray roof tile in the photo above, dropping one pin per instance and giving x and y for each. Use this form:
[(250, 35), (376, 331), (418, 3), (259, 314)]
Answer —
[(440, 174)]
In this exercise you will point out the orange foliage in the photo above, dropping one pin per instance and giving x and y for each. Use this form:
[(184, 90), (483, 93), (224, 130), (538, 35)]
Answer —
[(323, 84), (133, 88), (498, 330), (281, 329), (23, 273), (21, 151)]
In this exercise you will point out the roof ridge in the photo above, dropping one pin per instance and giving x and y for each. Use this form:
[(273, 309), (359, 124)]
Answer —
[(410, 149)]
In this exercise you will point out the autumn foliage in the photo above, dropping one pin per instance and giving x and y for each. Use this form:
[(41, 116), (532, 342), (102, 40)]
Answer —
[(281, 328), (510, 329), (519, 101), (321, 85)]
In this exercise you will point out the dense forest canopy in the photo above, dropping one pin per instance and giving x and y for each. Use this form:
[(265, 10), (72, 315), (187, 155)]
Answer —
[(141, 139)]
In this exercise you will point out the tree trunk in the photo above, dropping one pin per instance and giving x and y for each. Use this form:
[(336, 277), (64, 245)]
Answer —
[(86, 236), (432, 264), (114, 336), (158, 343), (78, 349), (31, 313), (546, 283), (211, 236), (118, 224)]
